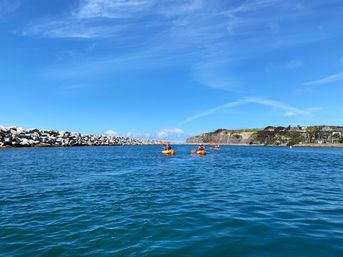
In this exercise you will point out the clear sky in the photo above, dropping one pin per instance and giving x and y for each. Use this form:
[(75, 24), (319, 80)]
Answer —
[(170, 68)]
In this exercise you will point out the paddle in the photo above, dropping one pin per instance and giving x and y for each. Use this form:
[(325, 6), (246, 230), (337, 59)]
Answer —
[(162, 143)]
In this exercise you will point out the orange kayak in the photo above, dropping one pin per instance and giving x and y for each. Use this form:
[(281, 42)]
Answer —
[(202, 152), (168, 152)]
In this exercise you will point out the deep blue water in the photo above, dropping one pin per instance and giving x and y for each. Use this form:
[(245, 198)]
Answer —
[(133, 201)]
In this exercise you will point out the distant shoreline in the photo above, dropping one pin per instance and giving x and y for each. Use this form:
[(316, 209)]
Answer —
[(297, 145), (191, 144), (299, 136), (339, 145)]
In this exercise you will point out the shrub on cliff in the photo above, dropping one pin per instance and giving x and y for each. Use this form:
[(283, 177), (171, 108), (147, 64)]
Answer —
[(218, 131), (266, 136), (314, 133), (294, 137)]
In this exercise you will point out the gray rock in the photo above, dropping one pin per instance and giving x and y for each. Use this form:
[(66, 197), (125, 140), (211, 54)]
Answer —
[(43, 145), (32, 130), (24, 142)]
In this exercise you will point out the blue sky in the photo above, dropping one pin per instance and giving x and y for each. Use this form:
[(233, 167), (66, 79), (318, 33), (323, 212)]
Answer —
[(171, 68)]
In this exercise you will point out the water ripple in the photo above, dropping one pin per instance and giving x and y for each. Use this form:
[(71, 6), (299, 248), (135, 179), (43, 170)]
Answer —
[(133, 201)]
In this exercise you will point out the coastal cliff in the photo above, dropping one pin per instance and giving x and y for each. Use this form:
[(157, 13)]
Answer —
[(19, 137), (270, 135)]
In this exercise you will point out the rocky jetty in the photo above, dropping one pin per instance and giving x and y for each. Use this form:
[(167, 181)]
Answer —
[(19, 137)]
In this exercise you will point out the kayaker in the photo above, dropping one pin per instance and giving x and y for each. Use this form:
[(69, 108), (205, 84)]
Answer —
[(201, 147), (167, 147)]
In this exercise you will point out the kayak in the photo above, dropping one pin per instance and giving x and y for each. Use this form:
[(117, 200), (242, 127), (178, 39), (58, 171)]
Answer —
[(168, 152), (214, 148), (202, 152)]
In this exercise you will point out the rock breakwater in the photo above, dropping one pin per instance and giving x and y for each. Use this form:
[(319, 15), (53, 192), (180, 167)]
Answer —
[(19, 137)]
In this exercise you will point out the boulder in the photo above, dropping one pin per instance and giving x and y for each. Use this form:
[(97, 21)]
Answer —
[(4, 130), (24, 142), (13, 131), (42, 145), (32, 131), (75, 135)]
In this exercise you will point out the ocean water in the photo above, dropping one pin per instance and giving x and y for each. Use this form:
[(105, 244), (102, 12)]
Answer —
[(133, 201)]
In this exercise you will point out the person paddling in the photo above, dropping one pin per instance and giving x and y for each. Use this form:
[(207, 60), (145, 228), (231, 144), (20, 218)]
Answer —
[(201, 147), (167, 147)]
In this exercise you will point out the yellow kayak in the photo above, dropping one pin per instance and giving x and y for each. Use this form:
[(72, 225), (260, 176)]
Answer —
[(202, 152), (168, 152)]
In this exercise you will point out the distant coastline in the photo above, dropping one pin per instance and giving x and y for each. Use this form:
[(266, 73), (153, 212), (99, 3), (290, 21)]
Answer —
[(320, 145), (310, 136), (339, 145), (300, 136)]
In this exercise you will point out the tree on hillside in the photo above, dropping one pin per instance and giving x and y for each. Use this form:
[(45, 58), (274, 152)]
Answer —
[(266, 136), (294, 137), (314, 133)]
